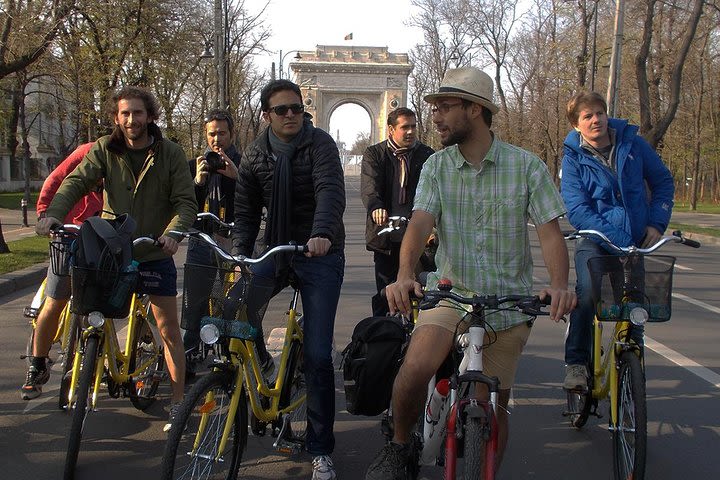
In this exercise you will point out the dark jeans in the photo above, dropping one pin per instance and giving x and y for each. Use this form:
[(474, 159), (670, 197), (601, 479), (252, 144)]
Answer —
[(319, 280), (578, 342), (197, 289)]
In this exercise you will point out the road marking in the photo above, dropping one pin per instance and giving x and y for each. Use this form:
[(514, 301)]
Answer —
[(698, 303), (663, 262), (683, 361)]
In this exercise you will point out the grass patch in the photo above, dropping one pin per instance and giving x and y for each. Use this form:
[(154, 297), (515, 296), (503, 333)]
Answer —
[(12, 200), (24, 253), (701, 208), (686, 228)]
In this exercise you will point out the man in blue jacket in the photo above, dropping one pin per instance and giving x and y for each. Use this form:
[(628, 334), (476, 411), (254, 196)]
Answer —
[(614, 182)]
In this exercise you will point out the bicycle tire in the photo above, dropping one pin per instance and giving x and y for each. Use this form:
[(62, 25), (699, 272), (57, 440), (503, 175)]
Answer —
[(294, 386), (69, 346), (479, 461), (142, 389), (579, 405), (178, 461), (87, 377), (630, 434)]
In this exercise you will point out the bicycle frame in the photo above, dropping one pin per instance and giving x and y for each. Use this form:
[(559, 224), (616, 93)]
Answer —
[(117, 359)]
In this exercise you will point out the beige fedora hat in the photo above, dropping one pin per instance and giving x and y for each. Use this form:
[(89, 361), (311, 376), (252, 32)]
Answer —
[(469, 83)]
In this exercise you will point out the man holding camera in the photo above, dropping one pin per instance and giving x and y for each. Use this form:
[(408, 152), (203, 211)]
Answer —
[(215, 174)]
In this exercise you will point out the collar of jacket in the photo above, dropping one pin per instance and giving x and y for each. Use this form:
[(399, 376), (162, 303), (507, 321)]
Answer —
[(117, 139)]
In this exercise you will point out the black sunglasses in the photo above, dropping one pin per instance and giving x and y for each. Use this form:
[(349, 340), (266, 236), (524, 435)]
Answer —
[(283, 109)]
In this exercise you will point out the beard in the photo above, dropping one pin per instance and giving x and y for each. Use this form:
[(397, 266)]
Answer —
[(455, 137)]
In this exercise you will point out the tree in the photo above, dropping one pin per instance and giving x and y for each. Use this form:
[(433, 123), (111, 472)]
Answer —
[(362, 141)]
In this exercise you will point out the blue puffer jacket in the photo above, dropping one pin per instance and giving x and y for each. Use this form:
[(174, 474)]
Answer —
[(621, 207)]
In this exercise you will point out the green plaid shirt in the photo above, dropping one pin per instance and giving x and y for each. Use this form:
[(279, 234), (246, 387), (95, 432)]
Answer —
[(481, 218)]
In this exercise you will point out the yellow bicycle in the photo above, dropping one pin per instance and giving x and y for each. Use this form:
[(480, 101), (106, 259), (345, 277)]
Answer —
[(134, 371), (629, 289), (209, 435), (68, 328)]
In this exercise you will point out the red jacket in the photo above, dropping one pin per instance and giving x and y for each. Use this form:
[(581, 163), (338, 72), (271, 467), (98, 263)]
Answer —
[(90, 205)]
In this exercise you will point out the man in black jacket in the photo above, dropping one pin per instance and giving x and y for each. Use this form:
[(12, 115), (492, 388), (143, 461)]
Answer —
[(293, 169), (214, 174), (389, 177)]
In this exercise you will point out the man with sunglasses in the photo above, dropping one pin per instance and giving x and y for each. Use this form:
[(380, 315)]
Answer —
[(479, 193), (293, 169), (389, 177), (214, 173)]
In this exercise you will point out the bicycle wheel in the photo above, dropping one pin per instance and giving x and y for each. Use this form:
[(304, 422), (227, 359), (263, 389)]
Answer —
[(69, 345), (85, 382), (293, 389), (578, 407), (200, 422), (479, 449), (143, 387), (630, 434)]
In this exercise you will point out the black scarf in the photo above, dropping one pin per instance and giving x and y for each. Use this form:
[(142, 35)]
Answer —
[(403, 155), (277, 231)]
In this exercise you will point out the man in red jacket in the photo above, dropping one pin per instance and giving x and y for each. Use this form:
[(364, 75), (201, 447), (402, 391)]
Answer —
[(57, 289)]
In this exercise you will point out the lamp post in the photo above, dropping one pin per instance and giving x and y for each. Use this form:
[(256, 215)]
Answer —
[(282, 59), (218, 55), (594, 47)]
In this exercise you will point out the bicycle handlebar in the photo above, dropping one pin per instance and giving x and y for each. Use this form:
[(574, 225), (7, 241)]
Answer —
[(676, 237), (242, 259), (214, 218), (394, 223), (526, 304)]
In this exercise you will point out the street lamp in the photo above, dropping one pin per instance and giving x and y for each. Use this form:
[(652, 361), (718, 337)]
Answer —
[(218, 54), (282, 59)]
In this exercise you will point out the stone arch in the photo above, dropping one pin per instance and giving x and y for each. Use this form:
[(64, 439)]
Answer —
[(371, 77)]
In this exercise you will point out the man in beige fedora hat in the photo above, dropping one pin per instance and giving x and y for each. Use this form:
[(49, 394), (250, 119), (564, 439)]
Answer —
[(479, 193)]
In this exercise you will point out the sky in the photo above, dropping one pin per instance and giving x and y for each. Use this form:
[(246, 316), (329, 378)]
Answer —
[(301, 25)]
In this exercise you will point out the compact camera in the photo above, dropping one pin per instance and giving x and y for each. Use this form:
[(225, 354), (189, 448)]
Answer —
[(215, 161)]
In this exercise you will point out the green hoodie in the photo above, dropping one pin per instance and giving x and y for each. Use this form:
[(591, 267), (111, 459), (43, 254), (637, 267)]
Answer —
[(160, 199)]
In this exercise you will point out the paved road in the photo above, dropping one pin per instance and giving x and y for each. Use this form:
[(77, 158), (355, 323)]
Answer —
[(683, 395)]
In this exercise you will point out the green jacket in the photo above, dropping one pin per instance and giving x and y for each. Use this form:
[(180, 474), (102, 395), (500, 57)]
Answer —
[(161, 199)]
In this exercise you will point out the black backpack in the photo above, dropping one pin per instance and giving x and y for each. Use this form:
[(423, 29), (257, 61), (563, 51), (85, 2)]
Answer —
[(370, 363), (105, 244)]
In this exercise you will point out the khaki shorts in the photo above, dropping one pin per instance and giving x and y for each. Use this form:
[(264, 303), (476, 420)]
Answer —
[(500, 359)]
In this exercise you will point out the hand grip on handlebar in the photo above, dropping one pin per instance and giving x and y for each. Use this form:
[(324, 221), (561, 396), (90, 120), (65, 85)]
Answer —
[(686, 241)]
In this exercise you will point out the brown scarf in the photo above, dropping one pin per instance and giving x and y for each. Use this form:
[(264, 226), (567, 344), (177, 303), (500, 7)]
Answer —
[(403, 155)]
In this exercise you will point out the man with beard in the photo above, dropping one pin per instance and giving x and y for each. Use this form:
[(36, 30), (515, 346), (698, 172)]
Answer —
[(479, 193), (146, 176), (390, 174)]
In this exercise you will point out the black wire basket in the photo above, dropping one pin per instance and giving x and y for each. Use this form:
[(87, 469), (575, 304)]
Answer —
[(622, 283), (106, 291), (60, 254), (216, 295)]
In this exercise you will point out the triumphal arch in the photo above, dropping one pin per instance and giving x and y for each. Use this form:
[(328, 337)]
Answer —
[(371, 77)]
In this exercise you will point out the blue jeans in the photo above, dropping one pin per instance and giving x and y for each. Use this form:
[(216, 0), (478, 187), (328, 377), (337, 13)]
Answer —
[(319, 280), (578, 342)]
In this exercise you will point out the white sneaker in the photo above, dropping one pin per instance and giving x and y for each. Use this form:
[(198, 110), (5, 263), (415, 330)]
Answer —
[(323, 468)]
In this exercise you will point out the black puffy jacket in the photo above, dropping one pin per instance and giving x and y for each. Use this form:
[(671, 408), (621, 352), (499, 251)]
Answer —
[(318, 191)]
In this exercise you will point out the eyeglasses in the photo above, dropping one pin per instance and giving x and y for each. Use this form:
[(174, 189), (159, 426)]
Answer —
[(443, 108), (283, 109)]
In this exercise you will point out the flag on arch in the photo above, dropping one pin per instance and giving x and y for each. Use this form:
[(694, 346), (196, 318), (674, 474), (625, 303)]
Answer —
[(348, 36)]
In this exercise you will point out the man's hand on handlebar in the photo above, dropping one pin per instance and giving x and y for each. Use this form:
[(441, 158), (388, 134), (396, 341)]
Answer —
[(380, 216), (652, 236), (318, 247), (168, 244), (44, 225), (562, 302), (398, 295)]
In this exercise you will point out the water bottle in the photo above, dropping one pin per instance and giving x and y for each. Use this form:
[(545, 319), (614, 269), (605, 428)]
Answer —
[(124, 287), (435, 415)]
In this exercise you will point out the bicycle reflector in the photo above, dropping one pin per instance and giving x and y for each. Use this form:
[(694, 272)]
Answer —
[(639, 316), (96, 319), (209, 334)]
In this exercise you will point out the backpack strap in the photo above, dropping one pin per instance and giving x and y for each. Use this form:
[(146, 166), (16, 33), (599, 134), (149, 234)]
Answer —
[(107, 232)]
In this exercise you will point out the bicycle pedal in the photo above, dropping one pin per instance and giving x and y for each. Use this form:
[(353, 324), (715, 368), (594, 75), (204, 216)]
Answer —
[(287, 447), (30, 312)]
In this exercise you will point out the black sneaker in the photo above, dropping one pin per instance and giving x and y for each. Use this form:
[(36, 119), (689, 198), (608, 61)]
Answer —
[(390, 463), (33, 382)]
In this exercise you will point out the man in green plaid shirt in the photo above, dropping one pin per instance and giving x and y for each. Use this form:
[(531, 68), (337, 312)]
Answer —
[(479, 193)]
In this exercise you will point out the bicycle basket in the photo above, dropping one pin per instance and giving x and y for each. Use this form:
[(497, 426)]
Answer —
[(60, 253), (217, 293), (106, 291), (621, 283)]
